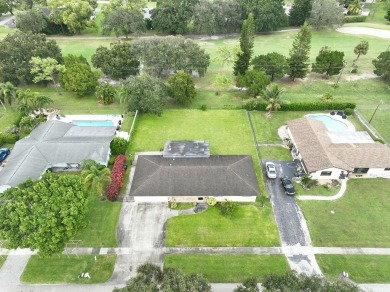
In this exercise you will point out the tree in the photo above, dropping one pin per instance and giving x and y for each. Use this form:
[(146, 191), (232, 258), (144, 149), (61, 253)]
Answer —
[(360, 49), (96, 178), (16, 51), (241, 65), (300, 12), (171, 53), (125, 4), (75, 14), (272, 93), (272, 64), (173, 16), (105, 93), (354, 7), (78, 77), (387, 16), (219, 16), (7, 93), (118, 61), (124, 22), (269, 15), (31, 21), (328, 62), (249, 285), (326, 14), (181, 87), (382, 65), (46, 69), (145, 93), (291, 281), (29, 101), (43, 214), (298, 61), (222, 81), (11, 4), (3, 7), (254, 81), (150, 278)]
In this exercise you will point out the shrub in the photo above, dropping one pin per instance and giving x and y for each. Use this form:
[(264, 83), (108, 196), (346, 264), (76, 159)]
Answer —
[(117, 174), (203, 107), (6, 138), (228, 207), (118, 146), (354, 18), (260, 105), (307, 182), (379, 140), (172, 205), (348, 111), (105, 93), (211, 201)]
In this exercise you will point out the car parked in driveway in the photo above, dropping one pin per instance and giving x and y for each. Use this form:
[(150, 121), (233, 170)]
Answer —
[(270, 169), (4, 152), (288, 186)]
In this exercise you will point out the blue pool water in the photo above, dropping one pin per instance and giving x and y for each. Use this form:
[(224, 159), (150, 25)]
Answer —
[(330, 123), (93, 123)]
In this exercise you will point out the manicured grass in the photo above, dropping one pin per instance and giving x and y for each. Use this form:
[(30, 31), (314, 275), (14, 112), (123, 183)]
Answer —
[(85, 47), (102, 218), (7, 118), (275, 153), (248, 226), (361, 268), (317, 190), (227, 130), (65, 269), (227, 268), (377, 13), (2, 260), (360, 218), (380, 121)]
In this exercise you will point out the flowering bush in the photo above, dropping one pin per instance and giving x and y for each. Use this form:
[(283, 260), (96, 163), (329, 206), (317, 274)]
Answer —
[(117, 174)]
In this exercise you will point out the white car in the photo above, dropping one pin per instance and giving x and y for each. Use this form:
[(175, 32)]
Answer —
[(271, 170)]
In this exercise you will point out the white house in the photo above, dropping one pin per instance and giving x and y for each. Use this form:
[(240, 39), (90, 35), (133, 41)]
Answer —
[(330, 155)]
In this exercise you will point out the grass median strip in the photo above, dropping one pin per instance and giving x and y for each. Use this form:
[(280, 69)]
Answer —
[(248, 226), (361, 268), (65, 269), (227, 268)]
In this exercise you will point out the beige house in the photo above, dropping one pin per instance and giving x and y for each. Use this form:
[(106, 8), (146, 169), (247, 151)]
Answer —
[(330, 155)]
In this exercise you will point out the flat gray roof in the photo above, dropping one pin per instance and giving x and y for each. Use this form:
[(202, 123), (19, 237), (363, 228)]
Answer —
[(217, 175)]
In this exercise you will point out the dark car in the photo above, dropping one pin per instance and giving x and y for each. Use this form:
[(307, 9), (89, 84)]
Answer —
[(4, 152), (288, 186)]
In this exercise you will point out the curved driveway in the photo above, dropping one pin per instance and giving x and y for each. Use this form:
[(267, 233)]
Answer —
[(292, 226)]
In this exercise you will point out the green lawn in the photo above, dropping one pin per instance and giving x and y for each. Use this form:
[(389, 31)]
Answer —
[(361, 217), (2, 260), (380, 121), (275, 153), (227, 268), (361, 268), (65, 269), (184, 206), (102, 218), (7, 118), (318, 190), (249, 226)]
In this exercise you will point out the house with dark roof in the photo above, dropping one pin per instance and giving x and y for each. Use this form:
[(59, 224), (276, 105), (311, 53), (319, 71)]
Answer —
[(55, 144), (181, 176), (330, 155)]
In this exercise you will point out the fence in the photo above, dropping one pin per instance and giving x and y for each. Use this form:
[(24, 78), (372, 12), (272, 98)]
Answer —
[(370, 128)]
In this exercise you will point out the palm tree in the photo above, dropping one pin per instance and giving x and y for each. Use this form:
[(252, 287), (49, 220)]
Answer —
[(354, 7), (7, 93), (272, 93), (95, 179)]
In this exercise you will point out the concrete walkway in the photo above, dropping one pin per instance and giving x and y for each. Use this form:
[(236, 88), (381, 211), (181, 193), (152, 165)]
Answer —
[(13, 268), (327, 198)]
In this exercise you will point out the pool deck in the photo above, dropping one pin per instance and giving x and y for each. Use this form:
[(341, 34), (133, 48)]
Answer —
[(116, 119)]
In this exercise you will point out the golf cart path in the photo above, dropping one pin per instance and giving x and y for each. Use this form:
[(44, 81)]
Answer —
[(380, 33)]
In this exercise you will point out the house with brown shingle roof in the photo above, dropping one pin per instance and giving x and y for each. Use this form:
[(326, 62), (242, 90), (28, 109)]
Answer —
[(330, 155)]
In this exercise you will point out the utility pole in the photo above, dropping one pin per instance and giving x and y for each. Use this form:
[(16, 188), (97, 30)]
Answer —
[(380, 102), (341, 72)]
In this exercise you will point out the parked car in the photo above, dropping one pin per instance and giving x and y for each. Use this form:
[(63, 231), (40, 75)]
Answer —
[(4, 152), (288, 186), (271, 170)]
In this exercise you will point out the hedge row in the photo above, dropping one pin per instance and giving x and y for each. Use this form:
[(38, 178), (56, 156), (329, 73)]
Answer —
[(117, 174), (354, 18), (8, 138), (260, 105)]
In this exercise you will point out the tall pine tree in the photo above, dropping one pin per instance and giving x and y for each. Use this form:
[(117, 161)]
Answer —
[(300, 12), (299, 54), (241, 65)]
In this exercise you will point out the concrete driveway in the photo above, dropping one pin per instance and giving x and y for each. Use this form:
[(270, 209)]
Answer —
[(141, 227), (291, 224)]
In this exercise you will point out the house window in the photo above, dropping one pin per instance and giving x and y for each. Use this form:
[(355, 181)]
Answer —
[(326, 173), (387, 168), (360, 170)]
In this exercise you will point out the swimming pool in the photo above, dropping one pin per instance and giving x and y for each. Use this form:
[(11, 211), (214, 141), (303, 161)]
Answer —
[(90, 123), (330, 123)]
